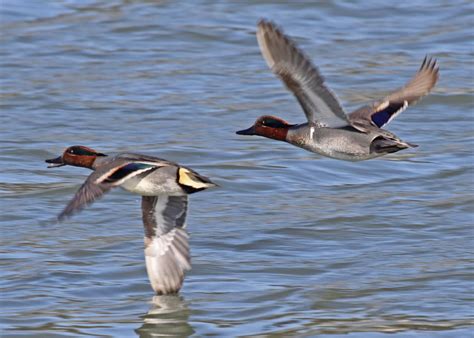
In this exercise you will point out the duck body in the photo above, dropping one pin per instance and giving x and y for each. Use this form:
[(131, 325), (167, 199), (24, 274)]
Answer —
[(157, 183), (329, 131), (346, 143), (164, 187), (156, 176)]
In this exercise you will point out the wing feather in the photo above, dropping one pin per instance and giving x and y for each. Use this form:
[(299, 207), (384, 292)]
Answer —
[(101, 181), (87, 194), (166, 241), (300, 76), (382, 112)]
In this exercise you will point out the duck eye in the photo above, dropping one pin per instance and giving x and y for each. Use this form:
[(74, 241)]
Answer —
[(272, 123)]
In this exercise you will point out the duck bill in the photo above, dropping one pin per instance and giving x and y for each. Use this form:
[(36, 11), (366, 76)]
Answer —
[(55, 162), (248, 131)]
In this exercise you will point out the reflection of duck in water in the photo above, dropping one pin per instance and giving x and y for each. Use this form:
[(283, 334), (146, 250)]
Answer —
[(164, 187), (169, 315)]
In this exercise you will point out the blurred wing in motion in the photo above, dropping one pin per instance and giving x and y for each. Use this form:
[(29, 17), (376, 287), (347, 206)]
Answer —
[(166, 241)]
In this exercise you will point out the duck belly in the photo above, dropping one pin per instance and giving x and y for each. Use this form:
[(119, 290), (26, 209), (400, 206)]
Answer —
[(338, 143), (153, 184)]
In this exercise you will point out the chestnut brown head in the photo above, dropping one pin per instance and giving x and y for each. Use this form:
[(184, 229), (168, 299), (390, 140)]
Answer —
[(78, 156), (268, 126)]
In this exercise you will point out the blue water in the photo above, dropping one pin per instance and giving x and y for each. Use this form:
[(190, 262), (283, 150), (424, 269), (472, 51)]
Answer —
[(291, 244)]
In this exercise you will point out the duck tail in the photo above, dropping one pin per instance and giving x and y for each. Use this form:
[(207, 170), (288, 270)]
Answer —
[(383, 145), (167, 259), (192, 182)]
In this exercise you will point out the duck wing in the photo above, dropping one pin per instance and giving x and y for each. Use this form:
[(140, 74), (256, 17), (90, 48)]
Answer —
[(101, 181), (300, 76), (132, 157), (382, 112), (166, 241)]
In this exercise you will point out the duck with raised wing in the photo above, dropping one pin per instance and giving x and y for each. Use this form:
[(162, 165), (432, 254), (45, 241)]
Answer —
[(164, 187), (329, 131)]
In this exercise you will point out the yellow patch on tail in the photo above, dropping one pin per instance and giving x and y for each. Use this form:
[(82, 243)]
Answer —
[(187, 178)]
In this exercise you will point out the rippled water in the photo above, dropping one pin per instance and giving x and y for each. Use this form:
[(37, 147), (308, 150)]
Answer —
[(292, 244)]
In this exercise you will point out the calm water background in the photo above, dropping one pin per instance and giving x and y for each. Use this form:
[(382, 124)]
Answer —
[(292, 244)]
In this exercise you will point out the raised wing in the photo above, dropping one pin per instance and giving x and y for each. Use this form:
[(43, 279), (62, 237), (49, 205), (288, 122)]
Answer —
[(382, 112), (101, 181), (166, 242), (300, 76)]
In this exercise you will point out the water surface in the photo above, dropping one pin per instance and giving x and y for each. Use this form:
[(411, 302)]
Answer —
[(292, 244)]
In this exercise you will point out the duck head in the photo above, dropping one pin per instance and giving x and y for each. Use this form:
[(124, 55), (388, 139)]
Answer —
[(78, 156), (268, 126)]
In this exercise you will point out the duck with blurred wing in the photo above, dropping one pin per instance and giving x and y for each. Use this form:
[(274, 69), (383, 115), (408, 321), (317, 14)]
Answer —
[(164, 187)]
